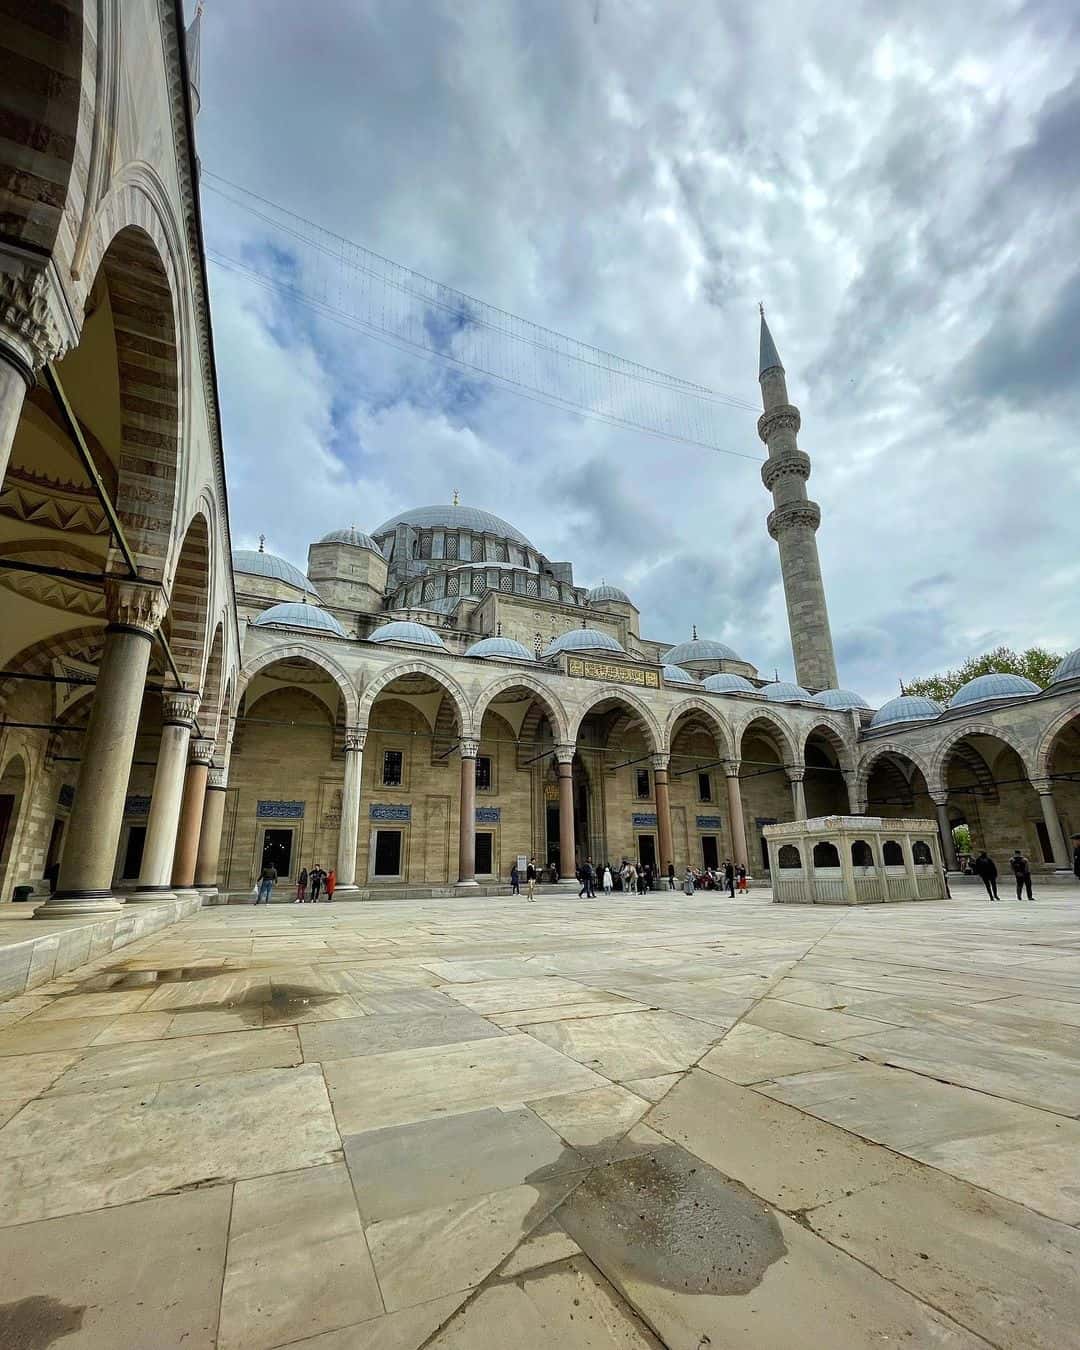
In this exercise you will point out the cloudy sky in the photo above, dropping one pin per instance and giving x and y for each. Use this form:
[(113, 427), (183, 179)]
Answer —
[(900, 183)]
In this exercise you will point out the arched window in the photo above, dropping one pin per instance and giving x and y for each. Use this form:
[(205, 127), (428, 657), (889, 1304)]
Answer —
[(892, 853), (789, 856), (861, 854), (923, 856), (825, 855)]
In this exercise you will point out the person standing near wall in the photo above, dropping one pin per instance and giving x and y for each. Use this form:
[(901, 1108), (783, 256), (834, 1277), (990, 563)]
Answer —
[(266, 885), (985, 868), (1021, 870)]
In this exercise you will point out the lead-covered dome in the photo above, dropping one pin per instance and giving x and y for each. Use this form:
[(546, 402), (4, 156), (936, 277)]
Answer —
[(906, 708), (599, 594), (255, 563), (295, 614), (404, 630), (994, 685), (500, 646), (453, 518), (700, 649), (583, 640), (356, 538), (676, 675), (840, 700), (1069, 668), (728, 683), (783, 691)]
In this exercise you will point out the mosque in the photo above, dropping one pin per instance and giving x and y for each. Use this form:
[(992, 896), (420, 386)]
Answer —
[(434, 698)]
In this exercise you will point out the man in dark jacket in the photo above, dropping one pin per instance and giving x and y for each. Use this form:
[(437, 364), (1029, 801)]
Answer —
[(1076, 855), (985, 867), (729, 877), (1021, 870)]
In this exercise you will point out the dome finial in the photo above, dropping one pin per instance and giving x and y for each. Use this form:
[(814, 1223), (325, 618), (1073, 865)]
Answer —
[(262, 543), (693, 632), (455, 500)]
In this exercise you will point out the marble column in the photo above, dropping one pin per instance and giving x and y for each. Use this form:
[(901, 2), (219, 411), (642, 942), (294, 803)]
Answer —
[(135, 611), (191, 814), (564, 755), (948, 844), (179, 707), (467, 814), (1045, 788), (28, 339), (856, 795), (349, 829), (663, 812), (213, 818), (798, 792), (735, 815), (909, 864)]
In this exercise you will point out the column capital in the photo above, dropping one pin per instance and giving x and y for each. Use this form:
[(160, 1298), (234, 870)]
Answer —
[(795, 772), (355, 738), (660, 763), (939, 798), (565, 753), (1043, 786), (135, 604), (179, 707), (218, 778), (201, 751), (29, 333), (731, 768), (468, 749)]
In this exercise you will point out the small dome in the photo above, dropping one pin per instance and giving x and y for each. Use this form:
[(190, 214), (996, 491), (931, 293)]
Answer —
[(782, 691), (700, 649), (676, 675), (906, 708), (253, 562), (1069, 668), (352, 536), (840, 700), (599, 594), (402, 630), (728, 684), (994, 685), (453, 518), (296, 614), (582, 640), (500, 646)]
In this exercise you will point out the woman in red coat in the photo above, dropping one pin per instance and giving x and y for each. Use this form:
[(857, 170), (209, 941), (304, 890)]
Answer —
[(331, 882)]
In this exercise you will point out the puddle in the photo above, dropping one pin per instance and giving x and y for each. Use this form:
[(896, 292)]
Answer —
[(119, 978), (38, 1322), (670, 1219), (286, 1000)]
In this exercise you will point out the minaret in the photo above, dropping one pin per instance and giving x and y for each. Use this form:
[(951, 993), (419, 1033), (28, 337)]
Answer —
[(793, 523), (193, 38)]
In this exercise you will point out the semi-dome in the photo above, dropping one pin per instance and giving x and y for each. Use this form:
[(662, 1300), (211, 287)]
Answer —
[(1069, 668), (700, 649), (599, 594), (453, 518), (582, 640), (500, 646), (676, 675), (783, 691), (994, 685), (295, 614), (840, 700), (728, 684), (404, 630), (357, 538), (906, 708), (255, 563)]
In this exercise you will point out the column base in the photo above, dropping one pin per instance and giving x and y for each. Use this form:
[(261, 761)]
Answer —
[(187, 893), (568, 882), (209, 894), (145, 894), (76, 905), (467, 885), (345, 890)]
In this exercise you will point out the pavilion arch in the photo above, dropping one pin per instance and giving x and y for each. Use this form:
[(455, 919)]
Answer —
[(447, 683), (552, 706), (936, 781), (883, 750), (836, 741), (1044, 751), (16, 781), (307, 652), (784, 741), (711, 718), (617, 694)]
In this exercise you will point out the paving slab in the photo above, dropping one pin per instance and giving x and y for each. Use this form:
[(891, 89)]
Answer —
[(409, 1329), (594, 1119), (749, 1054), (382, 1033), (631, 1045)]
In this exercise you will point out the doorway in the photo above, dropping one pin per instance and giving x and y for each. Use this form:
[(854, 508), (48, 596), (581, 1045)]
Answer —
[(387, 855), (710, 851), (485, 853), (277, 850), (646, 849), (133, 851)]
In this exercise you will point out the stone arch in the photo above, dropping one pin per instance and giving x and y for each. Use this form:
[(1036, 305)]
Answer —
[(317, 658), (210, 704), (936, 781), (553, 708), (840, 746), (617, 694), (789, 750), (880, 751), (709, 714), (1044, 750), (449, 685), (189, 635)]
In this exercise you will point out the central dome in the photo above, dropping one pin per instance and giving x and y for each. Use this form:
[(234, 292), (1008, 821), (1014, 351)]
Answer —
[(453, 518)]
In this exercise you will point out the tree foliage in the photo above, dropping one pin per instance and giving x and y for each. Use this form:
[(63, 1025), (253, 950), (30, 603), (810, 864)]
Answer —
[(962, 838), (1036, 664)]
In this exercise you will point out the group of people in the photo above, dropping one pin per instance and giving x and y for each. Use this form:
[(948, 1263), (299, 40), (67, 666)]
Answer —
[(634, 878), (310, 885), (985, 868)]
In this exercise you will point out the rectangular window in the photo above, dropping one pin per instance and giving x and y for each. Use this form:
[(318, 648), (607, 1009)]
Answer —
[(392, 763), (643, 782), (388, 853), (710, 852), (704, 787), (483, 773), (484, 853)]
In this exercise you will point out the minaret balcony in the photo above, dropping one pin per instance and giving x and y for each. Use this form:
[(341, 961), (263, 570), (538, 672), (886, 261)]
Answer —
[(792, 464), (784, 417), (794, 516)]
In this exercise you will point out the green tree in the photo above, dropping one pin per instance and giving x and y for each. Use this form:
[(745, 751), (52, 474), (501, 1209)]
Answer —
[(1036, 664), (962, 838)]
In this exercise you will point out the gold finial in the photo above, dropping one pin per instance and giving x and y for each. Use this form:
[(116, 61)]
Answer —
[(761, 308), (455, 501), (262, 543), (694, 636)]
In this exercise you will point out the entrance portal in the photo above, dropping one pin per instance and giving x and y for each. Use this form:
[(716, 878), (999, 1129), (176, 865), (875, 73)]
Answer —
[(277, 851)]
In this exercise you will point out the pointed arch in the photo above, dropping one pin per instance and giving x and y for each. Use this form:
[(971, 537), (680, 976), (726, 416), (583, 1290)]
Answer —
[(1044, 751), (553, 707), (189, 617), (709, 714), (448, 684), (837, 742), (886, 749), (944, 749), (790, 750), (614, 693), (308, 652)]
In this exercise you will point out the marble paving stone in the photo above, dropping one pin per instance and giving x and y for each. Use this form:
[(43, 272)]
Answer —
[(569, 1306), (28, 1076), (750, 1053), (114, 1066), (1051, 1010), (1005, 1273), (9, 1106), (631, 1045), (652, 1089), (559, 1012), (409, 1329), (590, 1119), (384, 1033), (390, 1089), (136, 1026), (544, 1245), (29, 1037), (221, 991), (302, 1009), (453, 1247), (384, 980), (140, 1275), (411, 1167), (92, 1005), (503, 996), (786, 1157), (405, 1001), (811, 1024), (129, 1143), (297, 1264)]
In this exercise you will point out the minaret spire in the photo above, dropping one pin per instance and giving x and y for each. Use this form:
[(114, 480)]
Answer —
[(793, 522), (193, 39)]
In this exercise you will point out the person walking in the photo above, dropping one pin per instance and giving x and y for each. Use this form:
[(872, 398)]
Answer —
[(315, 880), (515, 880), (587, 877), (740, 874), (1021, 870), (266, 884), (530, 879), (607, 879), (985, 867), (729, 877), (301, 887), (671, 877), (331, 884)]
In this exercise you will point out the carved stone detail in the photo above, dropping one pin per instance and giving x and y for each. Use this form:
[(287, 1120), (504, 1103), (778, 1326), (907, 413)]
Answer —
[(135, 605), (565, 753), (178, 707), (51, 501), (795, 772), (27, 326), (469, 749), (217, 778), (201, 751), (793, 464), (355, 740), (784, 418), (796, 515), (659, 763)]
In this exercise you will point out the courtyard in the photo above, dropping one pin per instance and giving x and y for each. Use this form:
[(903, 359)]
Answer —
[(613, 1124)]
